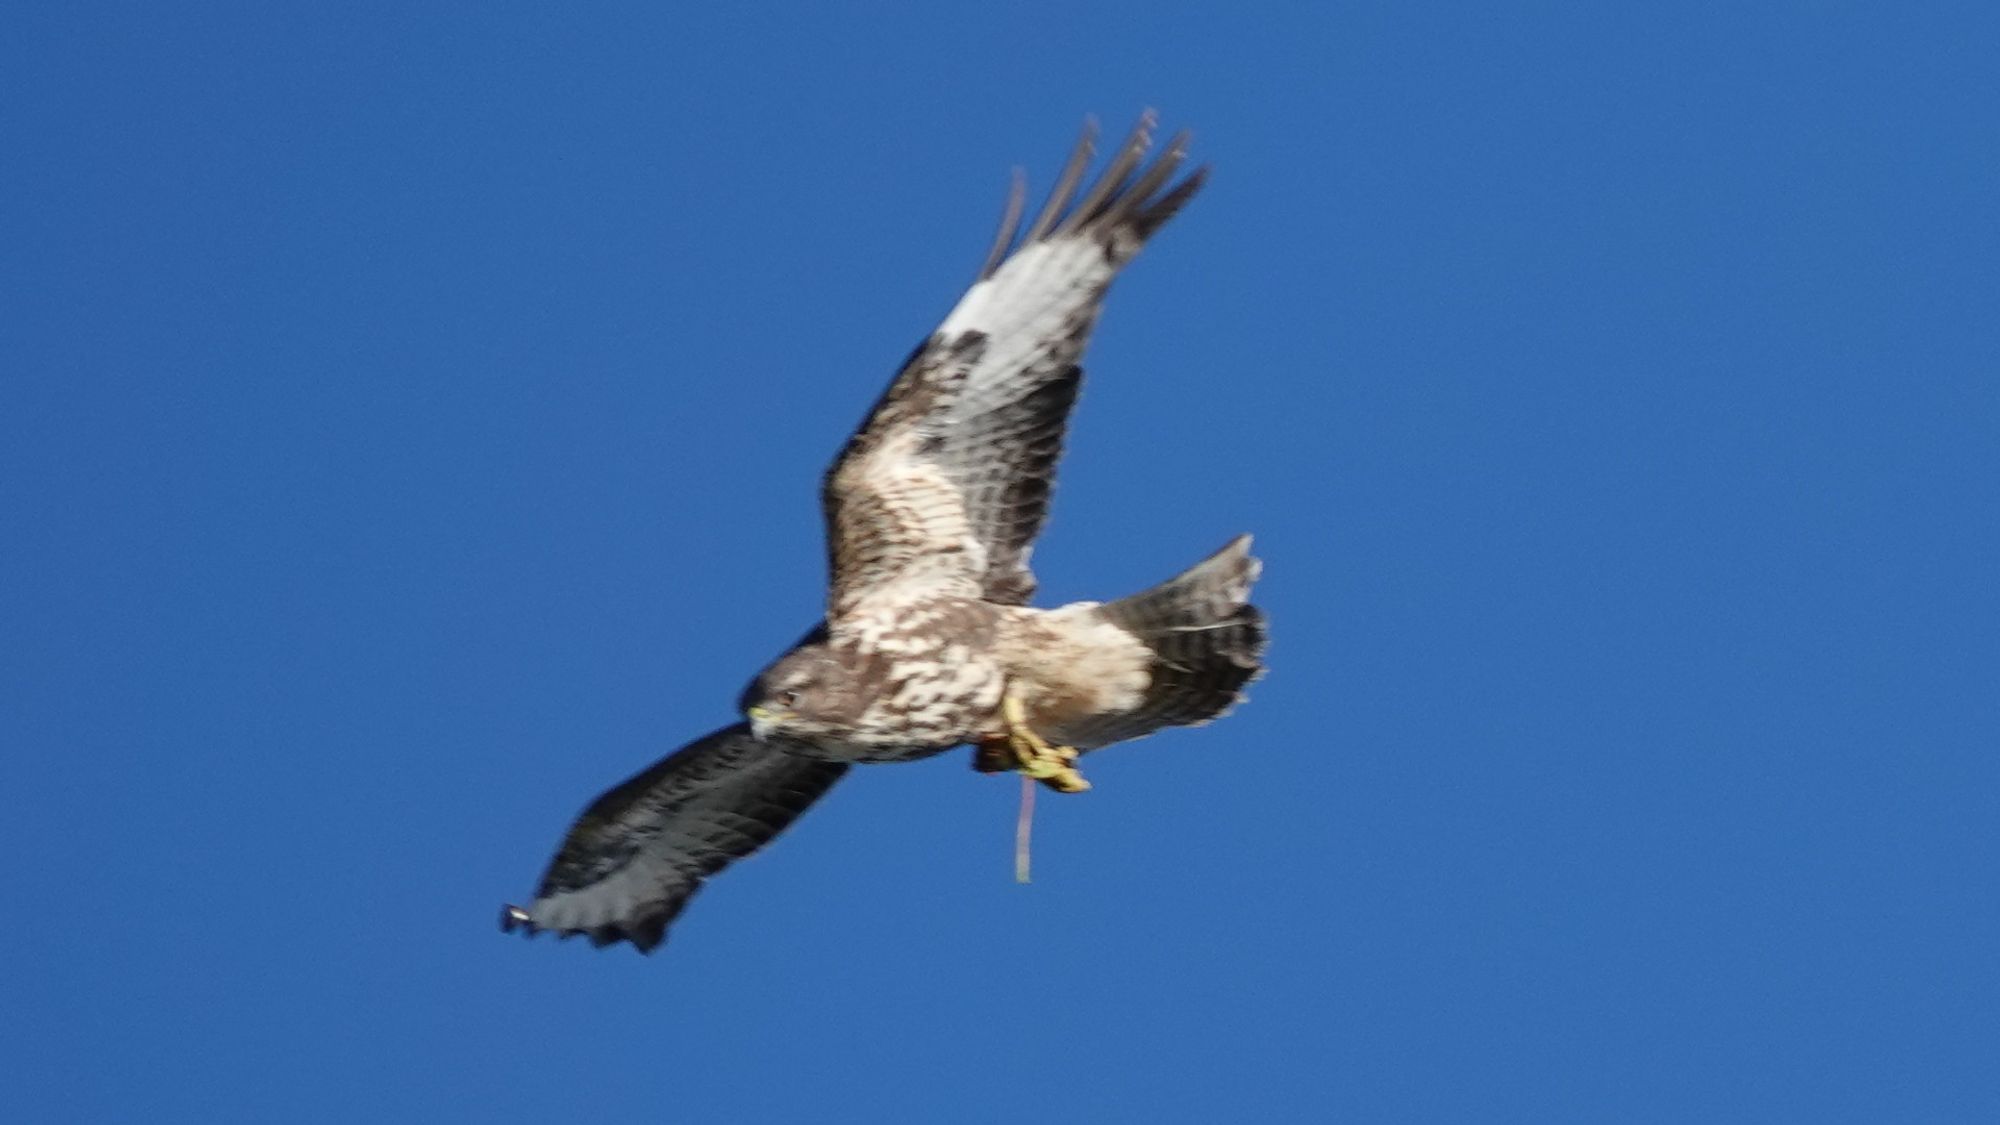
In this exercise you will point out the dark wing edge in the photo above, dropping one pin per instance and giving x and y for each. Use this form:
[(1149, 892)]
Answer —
[(634, 858), (993, 387), (1120, 211)]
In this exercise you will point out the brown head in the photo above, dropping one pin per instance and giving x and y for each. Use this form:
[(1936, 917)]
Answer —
[(810, 692)]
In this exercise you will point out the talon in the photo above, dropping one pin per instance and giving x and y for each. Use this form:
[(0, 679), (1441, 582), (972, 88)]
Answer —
[(1053, 766), (1064, 780)]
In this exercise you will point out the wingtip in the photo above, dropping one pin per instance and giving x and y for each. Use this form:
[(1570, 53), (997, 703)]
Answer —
[(514, 918), (645, 935)]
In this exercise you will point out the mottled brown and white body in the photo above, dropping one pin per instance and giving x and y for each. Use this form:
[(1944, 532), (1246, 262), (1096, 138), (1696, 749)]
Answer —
[(899, 680), (920, 679)]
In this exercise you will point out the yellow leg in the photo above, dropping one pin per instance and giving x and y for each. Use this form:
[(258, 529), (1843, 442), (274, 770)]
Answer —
[(1053, 766)]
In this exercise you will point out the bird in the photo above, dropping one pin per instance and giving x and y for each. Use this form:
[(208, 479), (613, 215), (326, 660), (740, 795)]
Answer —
[(928, 642)]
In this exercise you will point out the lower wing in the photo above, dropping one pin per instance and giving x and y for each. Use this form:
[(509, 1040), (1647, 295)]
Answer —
[(637, 855)]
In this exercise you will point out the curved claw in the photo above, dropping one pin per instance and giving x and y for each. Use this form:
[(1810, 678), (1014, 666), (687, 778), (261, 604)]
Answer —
[(1033, 756)]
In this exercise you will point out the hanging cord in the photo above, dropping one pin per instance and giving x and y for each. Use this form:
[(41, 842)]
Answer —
[(1024, 827)]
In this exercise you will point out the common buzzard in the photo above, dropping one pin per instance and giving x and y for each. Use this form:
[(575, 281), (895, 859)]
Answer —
[(928, 642)]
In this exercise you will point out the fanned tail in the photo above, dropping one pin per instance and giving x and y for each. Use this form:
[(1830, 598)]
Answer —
[(1206, 639)]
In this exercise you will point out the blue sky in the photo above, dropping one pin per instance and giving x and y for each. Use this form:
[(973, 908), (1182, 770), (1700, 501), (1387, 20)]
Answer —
[(410, 424)]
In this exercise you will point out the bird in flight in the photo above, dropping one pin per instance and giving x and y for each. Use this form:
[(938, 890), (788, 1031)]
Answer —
[(928, 642)]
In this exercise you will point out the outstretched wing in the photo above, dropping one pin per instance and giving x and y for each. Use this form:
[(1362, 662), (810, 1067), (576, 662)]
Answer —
[(637, 855), (946, 484)]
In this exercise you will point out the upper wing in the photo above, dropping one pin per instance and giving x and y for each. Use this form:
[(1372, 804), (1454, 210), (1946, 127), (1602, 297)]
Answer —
[(637, 855), (947, 482)]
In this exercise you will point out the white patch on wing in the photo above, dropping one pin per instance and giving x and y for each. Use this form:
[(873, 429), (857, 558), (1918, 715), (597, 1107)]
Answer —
[(1023, 307)]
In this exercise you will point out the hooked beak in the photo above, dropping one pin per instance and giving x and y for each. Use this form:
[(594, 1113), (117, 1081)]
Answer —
[(762, 721)]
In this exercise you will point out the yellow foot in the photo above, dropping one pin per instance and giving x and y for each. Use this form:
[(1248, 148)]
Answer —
[(1053, 766)]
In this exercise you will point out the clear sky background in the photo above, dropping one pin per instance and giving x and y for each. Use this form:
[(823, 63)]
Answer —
[(410, 424)]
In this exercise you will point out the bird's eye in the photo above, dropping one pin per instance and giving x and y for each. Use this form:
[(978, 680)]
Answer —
[(789, 697)]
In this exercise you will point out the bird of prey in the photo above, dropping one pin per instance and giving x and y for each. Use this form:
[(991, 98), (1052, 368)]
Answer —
[(928, 642)]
